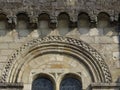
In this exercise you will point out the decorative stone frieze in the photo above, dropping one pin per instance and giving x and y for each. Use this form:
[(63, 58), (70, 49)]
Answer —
[(93, 8)]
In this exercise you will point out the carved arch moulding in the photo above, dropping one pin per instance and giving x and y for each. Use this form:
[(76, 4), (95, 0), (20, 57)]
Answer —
[(57, 44)]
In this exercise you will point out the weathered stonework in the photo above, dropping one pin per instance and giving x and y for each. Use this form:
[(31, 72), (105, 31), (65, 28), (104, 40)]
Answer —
[(53, 38)]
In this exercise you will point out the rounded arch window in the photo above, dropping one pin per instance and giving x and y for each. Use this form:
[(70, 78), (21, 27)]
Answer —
[(71, 83), (42, 83)]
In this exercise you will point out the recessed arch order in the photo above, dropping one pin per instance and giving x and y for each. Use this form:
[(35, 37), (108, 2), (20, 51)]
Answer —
[(57, 44)]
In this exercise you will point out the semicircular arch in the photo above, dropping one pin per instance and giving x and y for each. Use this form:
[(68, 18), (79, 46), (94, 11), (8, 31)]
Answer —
[(57, 44)]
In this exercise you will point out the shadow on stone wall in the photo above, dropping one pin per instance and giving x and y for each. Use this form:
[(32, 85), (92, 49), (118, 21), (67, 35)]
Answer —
[(119, 37), (118, 84), (118, 31)]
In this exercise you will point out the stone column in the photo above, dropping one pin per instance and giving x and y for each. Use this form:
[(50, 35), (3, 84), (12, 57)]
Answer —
[(57, 86)]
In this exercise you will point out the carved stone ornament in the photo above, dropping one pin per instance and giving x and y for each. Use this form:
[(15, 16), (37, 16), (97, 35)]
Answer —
[(61, 45), (92, 7)]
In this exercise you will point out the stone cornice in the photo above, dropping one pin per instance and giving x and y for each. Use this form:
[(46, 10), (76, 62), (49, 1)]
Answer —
[(105, 86), (11, 85), (54, 7)]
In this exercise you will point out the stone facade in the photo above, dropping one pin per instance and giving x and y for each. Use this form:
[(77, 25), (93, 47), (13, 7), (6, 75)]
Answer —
[(56, 38)]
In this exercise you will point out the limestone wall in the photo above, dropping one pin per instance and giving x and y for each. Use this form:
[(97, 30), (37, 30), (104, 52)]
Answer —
[(101, 31), (106, 45)]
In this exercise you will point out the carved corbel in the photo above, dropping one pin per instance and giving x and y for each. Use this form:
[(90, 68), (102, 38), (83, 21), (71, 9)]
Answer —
[(93, 20), (53, 22), (33, 19), (33, 22), (11, 21), (112, 18), (74, 18), (14, 18)]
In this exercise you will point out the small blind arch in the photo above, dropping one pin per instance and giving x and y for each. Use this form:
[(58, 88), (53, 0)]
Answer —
[(44, 25), (103, 20), (22, 24), (63, 23), (44, 21), (83, 20)]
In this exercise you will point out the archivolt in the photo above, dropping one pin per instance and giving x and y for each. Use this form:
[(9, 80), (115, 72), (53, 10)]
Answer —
[(61, 45)]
